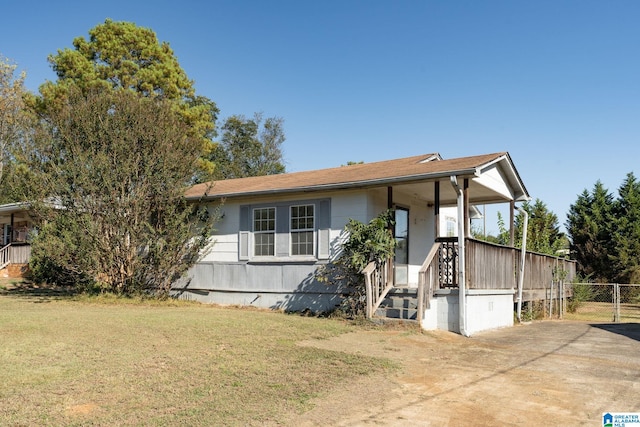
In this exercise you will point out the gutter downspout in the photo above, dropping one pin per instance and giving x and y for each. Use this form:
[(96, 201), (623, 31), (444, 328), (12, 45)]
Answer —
[(524, 255), (462, 284)]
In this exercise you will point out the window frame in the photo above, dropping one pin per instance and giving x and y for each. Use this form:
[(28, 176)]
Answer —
[(264, 232), (322, 232), (300, 231)]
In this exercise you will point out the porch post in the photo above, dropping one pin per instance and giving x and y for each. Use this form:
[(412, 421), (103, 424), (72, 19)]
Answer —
[(462, 279), (512, 228), (467, 232), (11, 229), (436, 206)]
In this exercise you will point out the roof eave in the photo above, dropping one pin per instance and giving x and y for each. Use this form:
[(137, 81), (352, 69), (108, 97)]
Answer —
[(470, 172)]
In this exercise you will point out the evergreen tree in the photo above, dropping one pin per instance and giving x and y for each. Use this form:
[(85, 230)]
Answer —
[(626, 237), (543, 230), (589, 225), (123, 56)]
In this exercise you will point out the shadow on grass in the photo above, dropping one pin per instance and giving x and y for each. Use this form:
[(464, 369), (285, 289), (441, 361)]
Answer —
[(37, 293)]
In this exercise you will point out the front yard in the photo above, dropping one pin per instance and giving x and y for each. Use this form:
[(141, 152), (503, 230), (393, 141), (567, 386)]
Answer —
[(107, 362)]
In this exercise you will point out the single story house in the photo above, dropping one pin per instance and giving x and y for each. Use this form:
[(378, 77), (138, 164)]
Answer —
[(277, 230)]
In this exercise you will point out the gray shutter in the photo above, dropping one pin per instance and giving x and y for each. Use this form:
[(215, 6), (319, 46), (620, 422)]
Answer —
[(282, 231), (243, 244), (324, 228), (244, 234), (244, 219), (324, 214), (324, 248)]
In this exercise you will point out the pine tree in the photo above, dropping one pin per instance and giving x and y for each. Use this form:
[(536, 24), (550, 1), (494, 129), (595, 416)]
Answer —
[(589, 226), (626, 238)]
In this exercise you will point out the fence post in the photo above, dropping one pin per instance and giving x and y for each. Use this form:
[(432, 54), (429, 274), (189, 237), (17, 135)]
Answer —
[(616, 302), (561, 300), (551, 300)]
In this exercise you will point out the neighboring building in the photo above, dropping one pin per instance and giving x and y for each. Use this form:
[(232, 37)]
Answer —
[(16, 229)]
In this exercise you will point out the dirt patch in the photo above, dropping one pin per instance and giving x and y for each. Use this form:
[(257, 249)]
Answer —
[(545, 373), (80, 410)]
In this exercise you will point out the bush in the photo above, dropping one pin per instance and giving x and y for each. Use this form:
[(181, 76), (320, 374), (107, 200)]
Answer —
[(366, 243), (582, 292)]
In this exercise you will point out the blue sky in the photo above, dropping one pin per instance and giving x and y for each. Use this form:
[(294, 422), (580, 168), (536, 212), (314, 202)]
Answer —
[(554, 83)]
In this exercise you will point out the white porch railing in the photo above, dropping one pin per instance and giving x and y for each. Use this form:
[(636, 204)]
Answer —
[(378, 279), (5, 256), (14, 254)]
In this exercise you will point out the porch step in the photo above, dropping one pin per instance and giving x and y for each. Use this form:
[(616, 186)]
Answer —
[(400, 303)]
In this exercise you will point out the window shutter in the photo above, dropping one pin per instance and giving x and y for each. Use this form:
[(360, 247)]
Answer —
[(324, 228), (243, 246), (324, 214), (282, 231), (243, 234), (324, 248), (244, 219)]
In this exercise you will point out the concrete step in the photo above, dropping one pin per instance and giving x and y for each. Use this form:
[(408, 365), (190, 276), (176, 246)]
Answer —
[(399, 304)]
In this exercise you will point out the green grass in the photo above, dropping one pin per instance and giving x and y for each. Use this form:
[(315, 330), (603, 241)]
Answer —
[(590, 311), (105, 361)]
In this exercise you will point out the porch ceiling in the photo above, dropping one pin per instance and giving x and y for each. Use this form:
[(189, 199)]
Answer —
[(478, 193), (17, 217)]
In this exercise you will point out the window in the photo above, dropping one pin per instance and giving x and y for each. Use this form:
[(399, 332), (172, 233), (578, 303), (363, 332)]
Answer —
[(264, 231), (451, 226), (302, 226), (296, 231)]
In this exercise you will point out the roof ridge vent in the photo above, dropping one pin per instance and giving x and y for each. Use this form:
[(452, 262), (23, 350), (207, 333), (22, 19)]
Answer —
[(431, 158)]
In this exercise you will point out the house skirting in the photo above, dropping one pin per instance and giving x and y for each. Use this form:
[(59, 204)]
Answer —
[(486, 309), (285, 286)]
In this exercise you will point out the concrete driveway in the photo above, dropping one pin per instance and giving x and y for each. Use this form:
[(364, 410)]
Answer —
[(546, 373)]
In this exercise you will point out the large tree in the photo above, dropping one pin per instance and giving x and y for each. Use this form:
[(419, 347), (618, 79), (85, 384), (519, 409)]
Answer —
[(13, 117), (121, 55), (626, 235), (589, 226), (249, 147), (543, 231), (112, 168)]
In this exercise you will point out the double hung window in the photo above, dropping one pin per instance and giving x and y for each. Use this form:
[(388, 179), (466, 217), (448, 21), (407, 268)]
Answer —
[(302, 227), (296, 231), (264, 231)]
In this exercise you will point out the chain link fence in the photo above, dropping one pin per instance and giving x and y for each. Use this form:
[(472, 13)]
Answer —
[(600, 302)]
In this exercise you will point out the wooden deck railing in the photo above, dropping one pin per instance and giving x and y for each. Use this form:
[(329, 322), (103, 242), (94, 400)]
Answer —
[(378, 279), (491, 266), (428, 279), (488, 266)]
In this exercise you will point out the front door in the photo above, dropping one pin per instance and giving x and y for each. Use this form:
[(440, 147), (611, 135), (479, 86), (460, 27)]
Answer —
[(401, 234)]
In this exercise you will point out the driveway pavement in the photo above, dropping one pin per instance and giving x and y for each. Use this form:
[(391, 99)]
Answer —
[(546, 373)]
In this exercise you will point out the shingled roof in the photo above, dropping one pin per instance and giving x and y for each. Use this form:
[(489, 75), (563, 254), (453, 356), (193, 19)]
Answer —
[(408, 169)]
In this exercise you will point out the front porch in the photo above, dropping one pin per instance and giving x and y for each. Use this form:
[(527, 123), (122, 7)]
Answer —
[(16, 226), (494, 279)]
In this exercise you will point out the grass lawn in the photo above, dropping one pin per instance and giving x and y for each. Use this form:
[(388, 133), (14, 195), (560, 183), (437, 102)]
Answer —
[(67, 361), (603, 312)]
